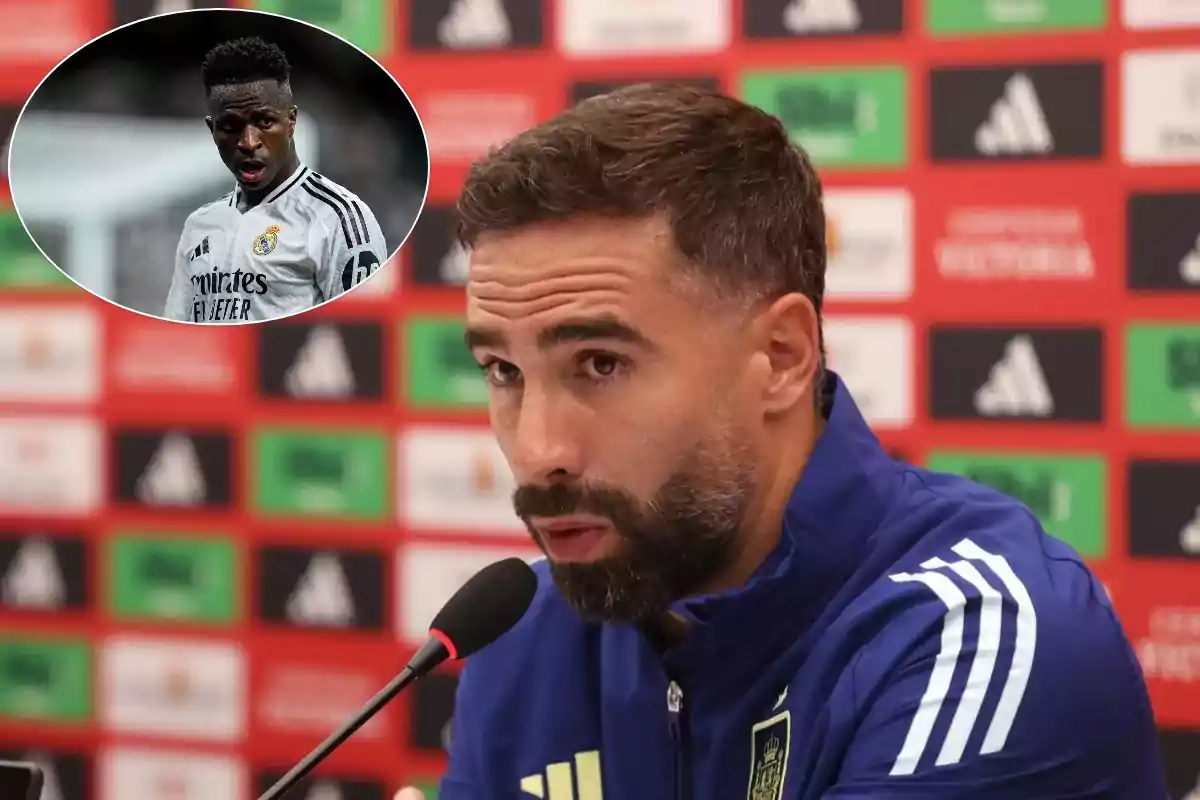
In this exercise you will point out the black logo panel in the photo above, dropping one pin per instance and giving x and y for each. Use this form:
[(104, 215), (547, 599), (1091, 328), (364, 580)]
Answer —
[(322, 588), (320, 360), (67, 775), (1027, 374), (778, 19), (8, 119), (1181, 757), (1164, 509), (172, 468), (582, 90), (1022, 112), (43, 572), (436, 257), (1163, 242), (432, 709), (458, 25)]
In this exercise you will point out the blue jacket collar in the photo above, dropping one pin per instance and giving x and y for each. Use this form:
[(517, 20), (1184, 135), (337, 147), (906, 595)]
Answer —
[(841, 499)]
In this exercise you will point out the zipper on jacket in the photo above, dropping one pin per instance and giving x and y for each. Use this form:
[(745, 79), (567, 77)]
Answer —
[(677, 722)]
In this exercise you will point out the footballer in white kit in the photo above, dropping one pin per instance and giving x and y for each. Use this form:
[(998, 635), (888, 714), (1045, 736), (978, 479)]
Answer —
[(286, 238)]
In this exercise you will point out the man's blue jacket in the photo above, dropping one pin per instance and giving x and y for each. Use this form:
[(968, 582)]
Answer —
[(914, 635)]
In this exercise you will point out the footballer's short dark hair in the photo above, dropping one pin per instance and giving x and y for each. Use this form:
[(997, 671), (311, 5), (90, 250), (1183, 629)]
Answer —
[(245, 60)]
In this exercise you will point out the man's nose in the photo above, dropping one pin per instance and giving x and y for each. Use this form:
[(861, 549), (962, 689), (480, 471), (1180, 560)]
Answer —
[(547, 445), (250, 139)]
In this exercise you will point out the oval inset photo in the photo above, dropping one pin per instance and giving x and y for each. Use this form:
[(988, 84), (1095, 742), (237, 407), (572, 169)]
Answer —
[(219, 166)]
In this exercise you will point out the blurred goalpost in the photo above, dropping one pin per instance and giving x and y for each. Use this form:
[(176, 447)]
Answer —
[(91, 172)]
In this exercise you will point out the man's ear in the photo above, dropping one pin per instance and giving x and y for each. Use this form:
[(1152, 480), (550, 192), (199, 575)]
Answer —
[(789, 337), (209, 122), (291, 118)]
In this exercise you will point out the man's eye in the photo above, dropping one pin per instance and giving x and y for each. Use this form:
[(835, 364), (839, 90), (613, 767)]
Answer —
[(500, 373), (603, 365)]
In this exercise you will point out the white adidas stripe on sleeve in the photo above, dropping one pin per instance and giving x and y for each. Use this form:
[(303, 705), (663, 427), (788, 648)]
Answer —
[(940, 578)]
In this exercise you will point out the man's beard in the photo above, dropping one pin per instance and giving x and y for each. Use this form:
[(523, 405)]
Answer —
[(670, 548)]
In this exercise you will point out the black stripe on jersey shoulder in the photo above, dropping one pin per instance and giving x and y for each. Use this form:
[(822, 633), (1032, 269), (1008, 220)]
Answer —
[(295, 179), (362, 221), (331, 192), (341, 217)]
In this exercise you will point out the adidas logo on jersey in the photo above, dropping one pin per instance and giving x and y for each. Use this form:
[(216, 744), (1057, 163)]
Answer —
[(815, 16), (173, 477), (1016, 124), (1189, 537), (475, 23), (560, 778), (453, 267), (322, 367), (322, 595), (199, 250), (1189, 266), (1016, 384), (34, 579)]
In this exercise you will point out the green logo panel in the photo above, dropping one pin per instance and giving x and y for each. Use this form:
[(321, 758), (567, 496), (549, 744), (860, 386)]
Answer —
[(363, 22), (45, 678), (169, 577), (999, 16), (440, 372), (328, 473), (1067, 493), (854, 117), (1162, 376), (22, 265), (429, 789)]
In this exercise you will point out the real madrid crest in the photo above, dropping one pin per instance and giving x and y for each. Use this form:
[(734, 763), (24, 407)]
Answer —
[(771, 741), (266, 241)]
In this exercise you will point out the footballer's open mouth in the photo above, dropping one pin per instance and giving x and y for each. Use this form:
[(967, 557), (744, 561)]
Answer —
[(251, 171)]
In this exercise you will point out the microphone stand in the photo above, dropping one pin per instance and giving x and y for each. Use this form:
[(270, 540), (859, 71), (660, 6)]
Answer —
[(335, 739)]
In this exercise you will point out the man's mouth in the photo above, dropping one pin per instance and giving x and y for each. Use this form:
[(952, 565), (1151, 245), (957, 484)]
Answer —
[(575, 538), (251, 171)]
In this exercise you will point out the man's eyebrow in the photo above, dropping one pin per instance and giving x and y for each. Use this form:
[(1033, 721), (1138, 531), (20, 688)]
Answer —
[(589, 329)]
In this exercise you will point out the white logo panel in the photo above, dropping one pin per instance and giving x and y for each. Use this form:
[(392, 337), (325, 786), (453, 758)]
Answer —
[(428, 576), (190, 689), (869, 237), (1160, 114), (873, 355), (143, 774), (456, 479), (647, 27), (1152, 14), (50, 465), (49, 353)]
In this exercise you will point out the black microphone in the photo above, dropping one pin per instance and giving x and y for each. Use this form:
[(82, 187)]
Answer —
[(479, 613)]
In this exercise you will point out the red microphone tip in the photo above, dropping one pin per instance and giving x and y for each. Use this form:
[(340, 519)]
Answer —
[(445, 640)]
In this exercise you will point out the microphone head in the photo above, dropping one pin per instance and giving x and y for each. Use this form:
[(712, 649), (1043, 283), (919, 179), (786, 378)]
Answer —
[(486, 607)]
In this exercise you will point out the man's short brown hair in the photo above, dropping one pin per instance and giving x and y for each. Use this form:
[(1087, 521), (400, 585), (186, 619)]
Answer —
[(743, 202)]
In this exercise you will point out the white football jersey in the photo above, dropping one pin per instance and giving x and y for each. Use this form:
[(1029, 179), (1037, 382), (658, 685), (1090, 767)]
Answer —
[(305, 243)]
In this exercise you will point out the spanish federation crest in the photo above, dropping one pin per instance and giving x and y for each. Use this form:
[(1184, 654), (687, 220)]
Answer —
[(769, 757), (266, 241)]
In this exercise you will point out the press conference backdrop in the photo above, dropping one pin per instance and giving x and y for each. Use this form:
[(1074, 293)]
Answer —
[(112, 154), (216, 543)]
